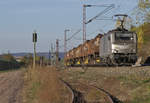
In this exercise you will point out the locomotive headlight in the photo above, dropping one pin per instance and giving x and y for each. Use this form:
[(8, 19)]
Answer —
[(131, 38), (114, 51)]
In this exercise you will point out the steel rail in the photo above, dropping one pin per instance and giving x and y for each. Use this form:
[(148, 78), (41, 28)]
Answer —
[(76, 95), (111, 98), (70, 89), (106, 93)]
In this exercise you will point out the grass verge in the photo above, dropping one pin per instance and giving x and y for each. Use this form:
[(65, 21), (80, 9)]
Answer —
[(43, 86)]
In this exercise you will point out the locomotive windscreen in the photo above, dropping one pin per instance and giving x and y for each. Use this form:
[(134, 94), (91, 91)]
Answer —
[(123, 37)]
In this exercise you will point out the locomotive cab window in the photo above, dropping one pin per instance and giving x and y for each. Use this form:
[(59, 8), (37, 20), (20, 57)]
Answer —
[(123, 37), (108, 37)]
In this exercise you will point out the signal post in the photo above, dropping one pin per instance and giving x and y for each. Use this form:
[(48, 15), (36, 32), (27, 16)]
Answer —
[(34, 44)]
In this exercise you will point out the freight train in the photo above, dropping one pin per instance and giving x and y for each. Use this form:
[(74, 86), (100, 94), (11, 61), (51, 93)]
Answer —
[(116, 47)]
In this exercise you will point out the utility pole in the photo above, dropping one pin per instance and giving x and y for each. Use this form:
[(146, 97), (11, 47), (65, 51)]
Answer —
[(65, 40), (65, 43), (84, 23), (49, 57), (34, 44), (57, 51)]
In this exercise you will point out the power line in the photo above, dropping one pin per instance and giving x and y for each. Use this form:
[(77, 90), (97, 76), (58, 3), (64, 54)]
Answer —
[(74, 34), (109, 7)]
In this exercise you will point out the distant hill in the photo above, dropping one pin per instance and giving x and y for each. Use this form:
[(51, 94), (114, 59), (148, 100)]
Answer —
[(45, 54)]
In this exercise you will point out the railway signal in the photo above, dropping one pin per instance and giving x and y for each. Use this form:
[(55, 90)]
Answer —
[(34, 44)]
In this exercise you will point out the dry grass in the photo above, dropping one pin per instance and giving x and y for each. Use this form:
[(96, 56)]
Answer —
[(43, 86), (128, 84)]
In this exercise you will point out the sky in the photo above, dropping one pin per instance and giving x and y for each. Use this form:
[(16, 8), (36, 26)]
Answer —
[(19, 18)]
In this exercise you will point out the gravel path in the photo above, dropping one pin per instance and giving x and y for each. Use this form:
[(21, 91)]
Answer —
[(11, 84)]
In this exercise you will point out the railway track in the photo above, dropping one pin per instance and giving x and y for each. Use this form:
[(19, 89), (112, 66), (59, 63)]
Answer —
[(78, 96), (111, 98)]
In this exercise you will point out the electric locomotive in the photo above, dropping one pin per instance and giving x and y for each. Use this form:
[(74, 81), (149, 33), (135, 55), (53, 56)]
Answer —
[(119, 46)]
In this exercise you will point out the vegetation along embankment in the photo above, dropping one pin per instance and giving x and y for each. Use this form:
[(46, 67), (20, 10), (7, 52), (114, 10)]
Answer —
[(8, 62)]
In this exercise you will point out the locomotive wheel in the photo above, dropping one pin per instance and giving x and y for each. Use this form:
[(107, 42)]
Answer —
[(109, 62)]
